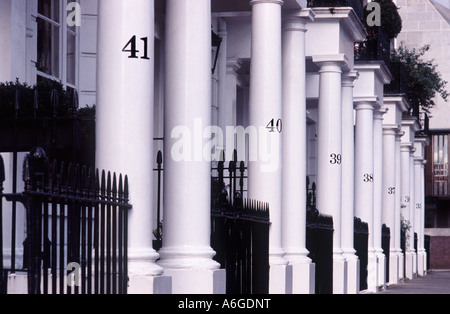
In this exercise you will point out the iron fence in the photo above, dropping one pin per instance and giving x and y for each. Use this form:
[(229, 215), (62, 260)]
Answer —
[(399, 83), (240, 237), (386, 246), (361, 244), (76, 226), (319, 241), (376, 47), (29, 119), (427, 245)]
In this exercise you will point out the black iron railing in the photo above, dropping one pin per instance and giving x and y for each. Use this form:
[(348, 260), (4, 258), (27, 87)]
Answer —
[(361, 244), (357, 5), (77, 226), (240, 230), (376, 47), (319, 241), (399, 83), (427, 244), (386, 246), (240, 237)]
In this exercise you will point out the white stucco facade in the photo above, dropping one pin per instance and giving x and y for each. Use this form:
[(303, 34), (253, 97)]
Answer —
[(280, 61)]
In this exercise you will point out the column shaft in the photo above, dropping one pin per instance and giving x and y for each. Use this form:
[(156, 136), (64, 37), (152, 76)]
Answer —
[(186, 252), (329, 166), (294, 155), (398, 204), (348, 182), (265, 110), (378, 193), (389, 197), (125, 118), (364, 180)]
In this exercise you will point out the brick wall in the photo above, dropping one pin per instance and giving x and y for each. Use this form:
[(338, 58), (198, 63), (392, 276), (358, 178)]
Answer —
[(440, 252)]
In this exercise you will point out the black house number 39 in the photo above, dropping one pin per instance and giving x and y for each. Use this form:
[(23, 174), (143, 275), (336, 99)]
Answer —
[(131, 48)]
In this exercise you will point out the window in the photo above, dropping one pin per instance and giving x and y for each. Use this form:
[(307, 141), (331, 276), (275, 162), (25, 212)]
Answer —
[(440, 165), (57, 44)]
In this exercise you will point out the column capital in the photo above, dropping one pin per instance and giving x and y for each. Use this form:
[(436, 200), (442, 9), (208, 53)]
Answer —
[(389, 131), (406, 147), (418, 161), (380, 112), (233, 65), (331, 63), (400, 134), (349, 77), (296, 20), (366, 103), (255, 2)]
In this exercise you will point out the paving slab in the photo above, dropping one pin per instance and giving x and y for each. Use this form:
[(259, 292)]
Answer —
[(436, 282)]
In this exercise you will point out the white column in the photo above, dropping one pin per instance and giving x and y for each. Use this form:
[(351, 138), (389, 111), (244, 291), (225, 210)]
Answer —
[(364, 180), (186, 253), (229, 111), (389, 193), (329, 161), (125, 125), (412, 208), (398, 204), (294, 154), (406, 200), (348, 183), (378, 193), (418, 163), (422, 224), (265, 108), (222, 69)]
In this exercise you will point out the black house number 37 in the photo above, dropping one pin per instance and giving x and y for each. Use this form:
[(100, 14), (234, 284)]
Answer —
[(131, 48)]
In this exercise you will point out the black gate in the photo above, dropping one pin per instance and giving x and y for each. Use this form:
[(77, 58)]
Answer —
[(319, 242), (76, 226), (240, 231), (361, 244), (386, 246), (240, 237)]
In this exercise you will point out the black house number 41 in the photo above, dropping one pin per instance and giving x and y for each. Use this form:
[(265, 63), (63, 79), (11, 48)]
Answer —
[(131, 48)]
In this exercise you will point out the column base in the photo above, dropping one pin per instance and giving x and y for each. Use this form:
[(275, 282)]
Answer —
[(422, 263), (372, 273), (394, 268), (149, 284), (401, 266), (415, 265), (303, 277), (381, 270), (353, 273), (409, 265), (280, 279), (197, 281), (339, 275)]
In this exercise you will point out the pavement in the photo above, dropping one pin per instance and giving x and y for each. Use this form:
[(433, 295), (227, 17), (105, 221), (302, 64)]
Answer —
[(436, 282)]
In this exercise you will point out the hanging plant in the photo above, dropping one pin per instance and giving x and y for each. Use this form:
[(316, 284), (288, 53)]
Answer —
[(391, 22)]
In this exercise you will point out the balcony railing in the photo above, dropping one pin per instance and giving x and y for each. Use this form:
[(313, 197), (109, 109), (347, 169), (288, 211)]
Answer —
[(399, 83), (357, 5), (376, 47)]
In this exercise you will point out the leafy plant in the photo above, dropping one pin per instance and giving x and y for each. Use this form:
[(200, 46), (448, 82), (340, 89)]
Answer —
[(391, 22), (26, 100), (424, 80)]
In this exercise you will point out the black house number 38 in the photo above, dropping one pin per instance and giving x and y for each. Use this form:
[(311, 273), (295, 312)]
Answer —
[(131, 48)]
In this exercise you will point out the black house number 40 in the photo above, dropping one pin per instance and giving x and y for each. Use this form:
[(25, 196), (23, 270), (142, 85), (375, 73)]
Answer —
[(131, 48)]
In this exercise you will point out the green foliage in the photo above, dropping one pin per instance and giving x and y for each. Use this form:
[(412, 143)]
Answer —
[(391, 22), (44, 88), (424, 80)]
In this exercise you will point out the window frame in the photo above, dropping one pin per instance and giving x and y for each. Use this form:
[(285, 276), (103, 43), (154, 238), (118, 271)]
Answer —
[(63, 36)]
